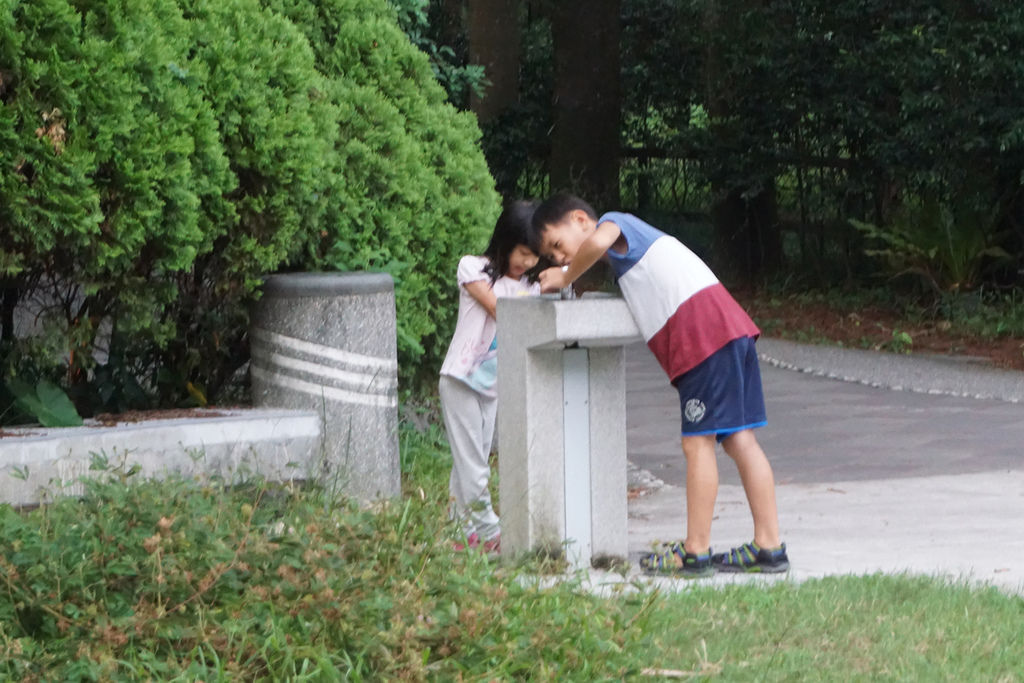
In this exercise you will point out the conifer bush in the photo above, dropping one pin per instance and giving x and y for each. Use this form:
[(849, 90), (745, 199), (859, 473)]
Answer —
[(257, 74), (100, 195), (158, 157), (416, 193)]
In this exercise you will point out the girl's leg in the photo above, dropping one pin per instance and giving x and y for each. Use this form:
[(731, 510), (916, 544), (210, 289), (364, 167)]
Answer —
[(469, 422), (758, 483), (485, 519), (701, 491)]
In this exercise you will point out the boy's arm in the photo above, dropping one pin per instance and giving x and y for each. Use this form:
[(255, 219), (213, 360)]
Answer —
[(590, 252)]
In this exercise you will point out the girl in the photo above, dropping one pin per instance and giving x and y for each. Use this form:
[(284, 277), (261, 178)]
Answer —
[(467, 387)]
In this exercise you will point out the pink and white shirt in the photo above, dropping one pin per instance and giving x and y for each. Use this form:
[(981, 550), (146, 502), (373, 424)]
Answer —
[(472, 354), (684, 313)]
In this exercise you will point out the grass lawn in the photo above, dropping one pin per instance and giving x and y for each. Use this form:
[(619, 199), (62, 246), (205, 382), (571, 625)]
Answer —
[(181, 581), (841, 629)]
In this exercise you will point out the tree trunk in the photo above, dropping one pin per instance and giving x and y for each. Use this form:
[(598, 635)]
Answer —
[(8, 302), (450, 21), (748, 243), (494, 44), (585, 137)]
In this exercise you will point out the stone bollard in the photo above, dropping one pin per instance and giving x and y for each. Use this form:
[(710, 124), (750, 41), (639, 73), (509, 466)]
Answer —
[(327, 342), (562, 426)]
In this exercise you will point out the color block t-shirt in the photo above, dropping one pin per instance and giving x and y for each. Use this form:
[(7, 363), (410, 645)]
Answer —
[(684, 313)]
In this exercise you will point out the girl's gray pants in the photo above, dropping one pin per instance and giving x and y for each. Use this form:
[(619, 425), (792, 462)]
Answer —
[(469, 420)]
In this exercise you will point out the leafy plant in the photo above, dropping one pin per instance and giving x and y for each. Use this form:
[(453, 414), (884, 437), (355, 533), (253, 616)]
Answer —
[(947, 246), (45, 401), (172, 579), (901, 342)]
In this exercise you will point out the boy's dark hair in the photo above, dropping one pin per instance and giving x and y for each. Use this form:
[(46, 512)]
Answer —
[(511, 230), (553, 210)]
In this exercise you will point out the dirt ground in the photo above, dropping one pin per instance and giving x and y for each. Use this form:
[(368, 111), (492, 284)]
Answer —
[(873, 327), (130, 416), (112, 419)]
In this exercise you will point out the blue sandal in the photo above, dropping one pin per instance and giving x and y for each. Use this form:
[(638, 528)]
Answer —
[(750, 557), (675, 561)]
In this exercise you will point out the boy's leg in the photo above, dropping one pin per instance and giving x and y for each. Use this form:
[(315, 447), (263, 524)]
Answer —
[(758, 484), (701, 491), (692, 558)]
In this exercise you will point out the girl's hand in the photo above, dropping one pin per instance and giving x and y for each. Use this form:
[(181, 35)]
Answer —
[(553, 279)]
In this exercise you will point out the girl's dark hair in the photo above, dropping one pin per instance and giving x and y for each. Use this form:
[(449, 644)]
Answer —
[(512, 229)]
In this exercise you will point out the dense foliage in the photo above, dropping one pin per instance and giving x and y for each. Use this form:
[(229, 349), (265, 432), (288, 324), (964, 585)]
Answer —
[(862, 110), (158, 158), (458, 78), (416, 193), (904, 118)]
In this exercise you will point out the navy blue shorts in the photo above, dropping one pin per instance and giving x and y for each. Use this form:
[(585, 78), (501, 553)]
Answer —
[(723, 394)]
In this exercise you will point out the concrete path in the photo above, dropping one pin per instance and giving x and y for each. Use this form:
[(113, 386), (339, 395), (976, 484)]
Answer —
[(894, 467)]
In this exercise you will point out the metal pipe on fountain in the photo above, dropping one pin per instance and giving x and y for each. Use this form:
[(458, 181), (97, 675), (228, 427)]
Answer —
[(566, 292)]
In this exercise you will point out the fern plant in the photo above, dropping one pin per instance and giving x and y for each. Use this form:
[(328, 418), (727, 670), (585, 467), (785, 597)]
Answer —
[(947, 245)]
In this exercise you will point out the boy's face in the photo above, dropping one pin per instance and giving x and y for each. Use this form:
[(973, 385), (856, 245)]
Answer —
[(562, 240)]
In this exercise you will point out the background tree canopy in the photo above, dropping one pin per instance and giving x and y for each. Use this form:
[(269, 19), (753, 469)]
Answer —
[(776, 124), (157, 157)]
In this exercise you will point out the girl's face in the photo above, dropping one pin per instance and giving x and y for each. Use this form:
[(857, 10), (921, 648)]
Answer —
[(520, 260)]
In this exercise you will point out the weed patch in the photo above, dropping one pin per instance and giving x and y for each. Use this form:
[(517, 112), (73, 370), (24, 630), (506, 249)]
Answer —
[(175, 580)]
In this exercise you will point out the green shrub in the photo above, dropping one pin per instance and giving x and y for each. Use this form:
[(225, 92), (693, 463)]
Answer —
[(416, 193), (276, 127), (159, 157), (112, 170)]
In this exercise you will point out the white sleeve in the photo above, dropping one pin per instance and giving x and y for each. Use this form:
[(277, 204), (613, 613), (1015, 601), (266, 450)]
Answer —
[(471, 269)]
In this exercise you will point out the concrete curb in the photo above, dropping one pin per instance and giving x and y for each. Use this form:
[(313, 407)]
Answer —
[(38, 463)]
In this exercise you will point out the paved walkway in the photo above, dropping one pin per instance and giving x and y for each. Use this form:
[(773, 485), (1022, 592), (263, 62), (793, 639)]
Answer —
[(897, 466)]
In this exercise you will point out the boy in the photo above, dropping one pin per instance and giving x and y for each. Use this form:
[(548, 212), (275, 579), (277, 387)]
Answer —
[(705, 343)]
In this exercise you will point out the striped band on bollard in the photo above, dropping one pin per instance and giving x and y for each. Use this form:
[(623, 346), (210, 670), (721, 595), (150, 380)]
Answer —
[(323, 371), (327, 342)]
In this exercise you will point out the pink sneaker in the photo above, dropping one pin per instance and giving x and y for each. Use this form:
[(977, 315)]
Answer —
[(493, 546), (471, 542), (490, 547)]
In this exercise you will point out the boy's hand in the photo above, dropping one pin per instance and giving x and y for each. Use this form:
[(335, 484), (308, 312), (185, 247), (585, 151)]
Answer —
[(553, 279)]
